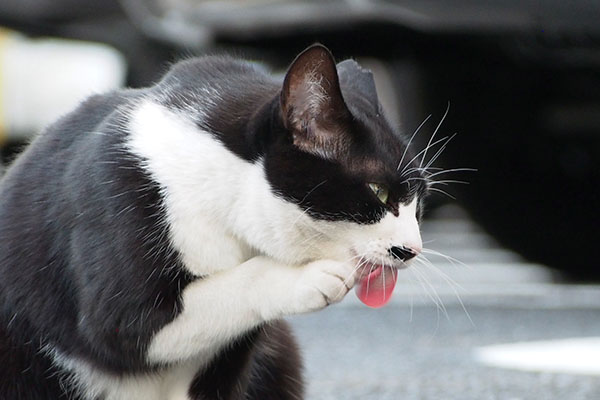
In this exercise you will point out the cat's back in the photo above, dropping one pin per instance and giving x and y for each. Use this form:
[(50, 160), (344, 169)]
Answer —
[(215, 72), (39, 190), (216, 89), (51, 147)]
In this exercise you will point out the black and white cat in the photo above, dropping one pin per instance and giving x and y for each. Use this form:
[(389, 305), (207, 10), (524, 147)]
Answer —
[(152, 240)]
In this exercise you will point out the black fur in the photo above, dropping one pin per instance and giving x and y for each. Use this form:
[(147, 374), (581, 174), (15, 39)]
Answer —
[(86, 267), (373, 147), (66, 282), (267, 359)]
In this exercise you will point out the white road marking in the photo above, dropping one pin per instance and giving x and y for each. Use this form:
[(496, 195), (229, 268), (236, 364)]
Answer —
[(579, 356)]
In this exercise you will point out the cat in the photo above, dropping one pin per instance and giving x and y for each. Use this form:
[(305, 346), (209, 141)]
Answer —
[(152, 240)]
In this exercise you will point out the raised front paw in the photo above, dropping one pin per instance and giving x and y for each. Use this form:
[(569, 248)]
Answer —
[(322, 283)]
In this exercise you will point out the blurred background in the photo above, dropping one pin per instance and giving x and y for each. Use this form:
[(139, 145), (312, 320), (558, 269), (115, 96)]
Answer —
[(512, 252)]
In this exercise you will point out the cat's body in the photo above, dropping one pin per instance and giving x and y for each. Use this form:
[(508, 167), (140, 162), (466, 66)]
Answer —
[(151, 240)]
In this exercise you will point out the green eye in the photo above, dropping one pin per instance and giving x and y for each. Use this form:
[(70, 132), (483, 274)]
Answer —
[(380, 191)]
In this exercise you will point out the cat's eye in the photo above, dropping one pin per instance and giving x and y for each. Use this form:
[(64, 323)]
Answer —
[(380, 191)]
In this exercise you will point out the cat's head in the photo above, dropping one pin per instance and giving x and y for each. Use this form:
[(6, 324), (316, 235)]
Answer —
[(315, 172), (337, 158)]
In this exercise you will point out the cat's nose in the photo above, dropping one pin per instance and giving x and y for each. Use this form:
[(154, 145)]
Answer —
[(403, 253)]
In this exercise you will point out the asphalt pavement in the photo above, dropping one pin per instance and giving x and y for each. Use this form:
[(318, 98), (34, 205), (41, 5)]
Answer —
[(482, 324)]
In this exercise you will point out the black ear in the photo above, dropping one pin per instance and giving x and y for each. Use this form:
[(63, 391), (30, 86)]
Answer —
[(312, 103), (359, 81)]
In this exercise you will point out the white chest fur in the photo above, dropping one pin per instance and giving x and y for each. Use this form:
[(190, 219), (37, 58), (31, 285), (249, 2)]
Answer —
[(220, 208), (172, 383), (199, 179)]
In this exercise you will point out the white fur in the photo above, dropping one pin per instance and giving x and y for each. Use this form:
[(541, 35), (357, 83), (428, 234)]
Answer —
[(91, 383), (220, 208), (373, 241), (255, 251), (219, 308)]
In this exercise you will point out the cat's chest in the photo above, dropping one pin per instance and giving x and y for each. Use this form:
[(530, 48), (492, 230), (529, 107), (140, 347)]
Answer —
[(212, 250)]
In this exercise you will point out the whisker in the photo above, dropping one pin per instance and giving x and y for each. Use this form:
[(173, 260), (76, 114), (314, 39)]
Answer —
[(434, 133), (383, 272), (369, 279), (412, 284), (421, 169), (303, 213), (447, 181), (410, 140), (416, 178), (363, 260), (312, 190), (440, 151), (403, 173), (310, 238), (453, 285), (359, 264), (445, 171), (442, 192), (426, 261), (450, 259), (433, 295)]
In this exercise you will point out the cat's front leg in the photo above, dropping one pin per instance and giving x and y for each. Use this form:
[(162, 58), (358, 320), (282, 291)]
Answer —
[(320, 284), (219, 308)]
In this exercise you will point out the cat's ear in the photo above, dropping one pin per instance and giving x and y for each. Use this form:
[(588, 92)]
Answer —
[(311, 102)]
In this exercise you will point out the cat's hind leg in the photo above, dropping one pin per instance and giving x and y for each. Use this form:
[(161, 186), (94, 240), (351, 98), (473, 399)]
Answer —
[(276, 370), (263, 364), (27, 373)]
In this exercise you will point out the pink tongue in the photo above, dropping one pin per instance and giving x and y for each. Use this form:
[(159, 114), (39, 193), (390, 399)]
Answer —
[(375, 289)]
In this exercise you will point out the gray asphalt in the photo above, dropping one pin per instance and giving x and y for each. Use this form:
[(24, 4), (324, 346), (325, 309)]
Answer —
[(422, 345)]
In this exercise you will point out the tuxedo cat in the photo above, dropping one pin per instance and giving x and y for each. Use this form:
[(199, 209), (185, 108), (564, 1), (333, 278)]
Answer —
[(152, 240)]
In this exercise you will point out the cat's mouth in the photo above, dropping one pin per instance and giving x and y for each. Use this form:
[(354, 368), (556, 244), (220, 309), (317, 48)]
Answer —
[(376, 283)]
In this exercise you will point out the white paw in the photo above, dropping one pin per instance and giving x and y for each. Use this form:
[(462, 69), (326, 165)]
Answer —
[(322, 283)]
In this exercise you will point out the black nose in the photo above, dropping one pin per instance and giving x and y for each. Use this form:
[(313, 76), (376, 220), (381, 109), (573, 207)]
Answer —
[(402, 253)]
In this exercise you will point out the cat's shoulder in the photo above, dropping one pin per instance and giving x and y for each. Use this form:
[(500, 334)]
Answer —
[(91, 114)]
